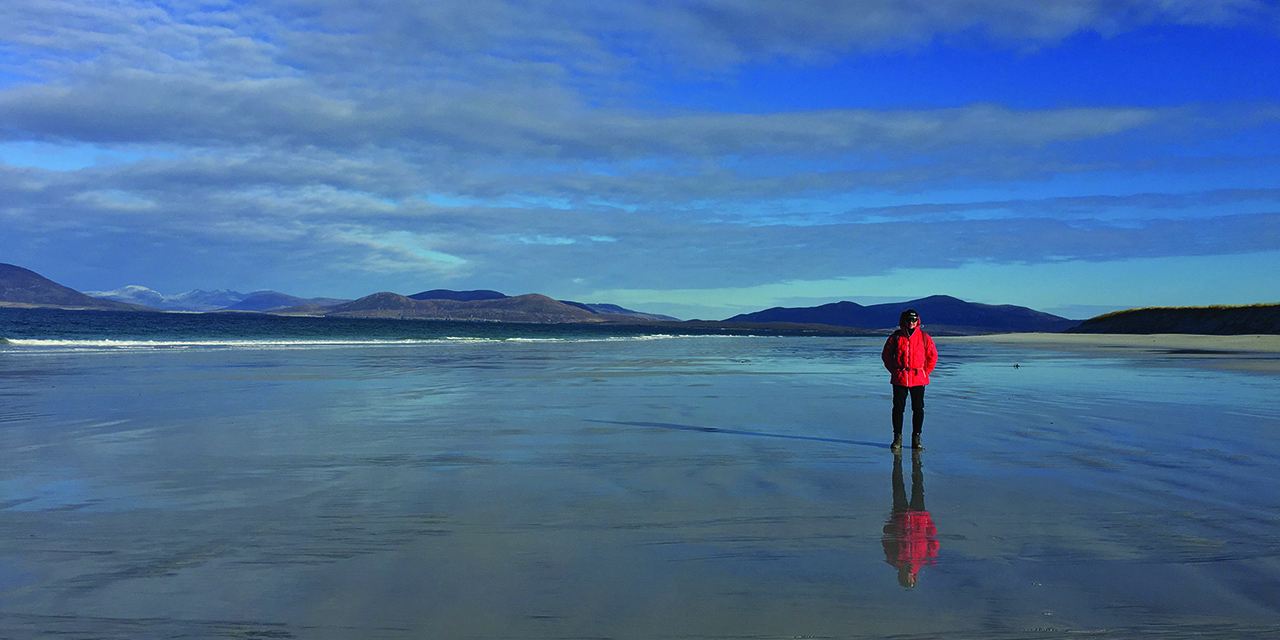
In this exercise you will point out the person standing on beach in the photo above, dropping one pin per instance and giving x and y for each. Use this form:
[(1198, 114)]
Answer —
[(910, 356)]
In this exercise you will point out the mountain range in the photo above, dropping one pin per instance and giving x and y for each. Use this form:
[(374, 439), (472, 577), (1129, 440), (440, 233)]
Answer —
[(941, 314), (218, 300), (440, 304), (22, 287)]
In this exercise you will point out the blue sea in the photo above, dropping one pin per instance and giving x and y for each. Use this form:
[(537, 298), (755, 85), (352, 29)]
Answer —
[(251, 476), (58, 330)]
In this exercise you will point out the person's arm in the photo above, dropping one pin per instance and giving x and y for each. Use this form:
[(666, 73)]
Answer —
[(889, 355), (930, 355)]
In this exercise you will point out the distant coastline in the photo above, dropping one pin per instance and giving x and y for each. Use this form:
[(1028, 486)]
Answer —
[(943, 315)]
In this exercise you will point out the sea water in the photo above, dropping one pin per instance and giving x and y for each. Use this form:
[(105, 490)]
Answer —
[(217, 475)]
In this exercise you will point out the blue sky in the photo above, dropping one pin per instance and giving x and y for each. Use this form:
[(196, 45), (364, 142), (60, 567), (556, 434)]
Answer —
[(699, 158)]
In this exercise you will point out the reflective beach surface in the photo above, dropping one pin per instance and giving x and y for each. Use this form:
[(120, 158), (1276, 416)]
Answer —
[(688, 487)]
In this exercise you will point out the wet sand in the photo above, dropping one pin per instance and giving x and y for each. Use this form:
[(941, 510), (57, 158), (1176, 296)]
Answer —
[(691, 488), (1240, 353)]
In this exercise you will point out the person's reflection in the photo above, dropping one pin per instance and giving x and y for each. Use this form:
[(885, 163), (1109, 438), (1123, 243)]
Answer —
[(910, 537)]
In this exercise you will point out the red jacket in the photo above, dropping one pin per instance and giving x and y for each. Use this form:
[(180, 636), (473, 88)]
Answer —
[(909, 359)]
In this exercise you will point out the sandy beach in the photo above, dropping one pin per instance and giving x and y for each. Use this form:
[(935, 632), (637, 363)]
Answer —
[(1164, 341), (1242, 353), (703, 487)]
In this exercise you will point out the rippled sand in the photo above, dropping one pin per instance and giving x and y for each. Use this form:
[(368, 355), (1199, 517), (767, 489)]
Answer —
[(686, 488)]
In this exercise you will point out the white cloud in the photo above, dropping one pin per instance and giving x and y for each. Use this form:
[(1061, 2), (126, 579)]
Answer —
[(516, 142), (395, 251)]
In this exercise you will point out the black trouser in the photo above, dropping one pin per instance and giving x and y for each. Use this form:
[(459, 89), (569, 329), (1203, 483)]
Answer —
[(900, 405)]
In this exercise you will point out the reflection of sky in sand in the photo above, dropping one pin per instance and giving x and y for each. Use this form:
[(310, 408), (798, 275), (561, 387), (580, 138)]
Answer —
[(677, 488)]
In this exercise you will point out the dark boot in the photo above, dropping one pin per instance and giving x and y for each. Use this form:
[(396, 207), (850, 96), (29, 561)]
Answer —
[(915, 442), (897, 442)]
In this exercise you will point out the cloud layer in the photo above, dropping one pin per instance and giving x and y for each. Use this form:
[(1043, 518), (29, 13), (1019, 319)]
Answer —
[(337, 148)]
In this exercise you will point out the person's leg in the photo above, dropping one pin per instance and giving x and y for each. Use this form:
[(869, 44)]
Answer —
[(899, 407), (917, 415)]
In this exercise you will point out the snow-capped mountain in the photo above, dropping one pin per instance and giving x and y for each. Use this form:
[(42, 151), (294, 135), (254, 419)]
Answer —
[(197, 300)]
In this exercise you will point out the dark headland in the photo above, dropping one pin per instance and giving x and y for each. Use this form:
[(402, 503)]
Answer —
[(1258, 319), (25, 288)]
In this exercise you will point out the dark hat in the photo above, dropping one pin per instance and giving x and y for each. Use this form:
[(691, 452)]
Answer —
[(909, 315)]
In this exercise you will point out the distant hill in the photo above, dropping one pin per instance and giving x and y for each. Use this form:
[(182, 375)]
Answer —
[(485, 294), (273, 300), (527, 308), (613, 309), (24, 288), (940, 314), (1222, 320)]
